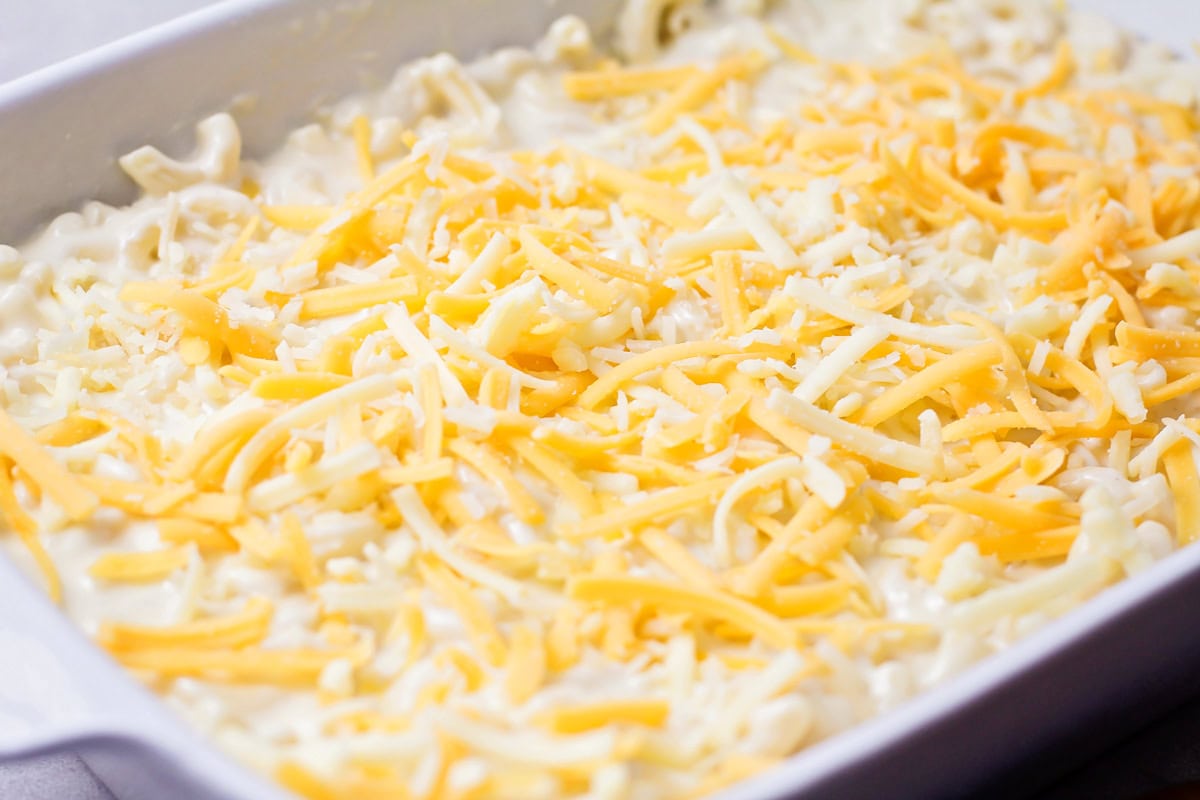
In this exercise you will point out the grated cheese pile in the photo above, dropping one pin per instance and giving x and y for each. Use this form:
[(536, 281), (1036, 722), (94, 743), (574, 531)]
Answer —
[(563, 425)]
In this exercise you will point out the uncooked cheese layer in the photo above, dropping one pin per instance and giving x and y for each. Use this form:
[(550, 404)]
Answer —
[(615, 423)]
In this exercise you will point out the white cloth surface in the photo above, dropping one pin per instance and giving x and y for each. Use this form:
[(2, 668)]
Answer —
[(57, 777)]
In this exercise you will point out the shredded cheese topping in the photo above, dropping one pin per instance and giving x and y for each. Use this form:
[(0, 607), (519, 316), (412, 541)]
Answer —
[(557, 426)]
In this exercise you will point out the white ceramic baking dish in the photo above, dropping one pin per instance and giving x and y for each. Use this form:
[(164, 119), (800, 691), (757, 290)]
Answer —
[(1083, 679)]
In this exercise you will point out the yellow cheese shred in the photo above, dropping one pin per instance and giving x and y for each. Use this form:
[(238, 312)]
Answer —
[(525, 669), (602, 83), (730, 293), (856, 438), (629, 369), (713, 605), (242, 628), (297, 218), (253, 665), (299, 551), (650, 713), (699, 87), (139, 567), (296, 778), (456, 594), (1155, 343), (361, 130), (390, 181), (296, 386), (981, 206), (676, 557), (204, 318), (432, 429), (1180, 464), (207, 536), (24, 450), (596, 293), (954, 367), (1004, 511), (659, 505), (337, 301), (557, 472), (270, 437), (436, 470), (20, 523), (1018, 382), (492, 467)]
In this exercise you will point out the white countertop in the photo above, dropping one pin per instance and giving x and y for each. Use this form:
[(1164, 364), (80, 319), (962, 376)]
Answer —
[(35, 33)]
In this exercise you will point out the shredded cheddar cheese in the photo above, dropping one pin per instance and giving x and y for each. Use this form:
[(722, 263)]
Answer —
[(148, 566), (568, 426), (76, 500)]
